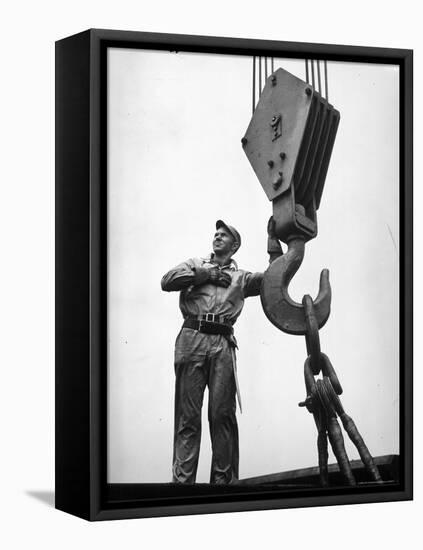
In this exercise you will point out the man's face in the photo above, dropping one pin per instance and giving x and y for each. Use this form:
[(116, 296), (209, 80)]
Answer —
[(223, 242)]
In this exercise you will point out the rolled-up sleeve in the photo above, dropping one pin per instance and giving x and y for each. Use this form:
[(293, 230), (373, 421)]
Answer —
[(180, 277), (252, 284)]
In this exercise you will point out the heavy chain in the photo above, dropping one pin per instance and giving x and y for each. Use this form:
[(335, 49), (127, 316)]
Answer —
[(323, 402)]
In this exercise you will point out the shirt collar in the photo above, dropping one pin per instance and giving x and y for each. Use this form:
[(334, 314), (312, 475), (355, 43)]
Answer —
[(231, 265)]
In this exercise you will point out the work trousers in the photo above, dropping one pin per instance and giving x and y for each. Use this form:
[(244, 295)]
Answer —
[(204, 360)]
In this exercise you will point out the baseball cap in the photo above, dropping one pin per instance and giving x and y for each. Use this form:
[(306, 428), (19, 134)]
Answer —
[(230, 229)]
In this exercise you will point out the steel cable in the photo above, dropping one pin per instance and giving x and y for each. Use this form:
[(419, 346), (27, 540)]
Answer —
[(326, 79), (254, 83), (318, 77)]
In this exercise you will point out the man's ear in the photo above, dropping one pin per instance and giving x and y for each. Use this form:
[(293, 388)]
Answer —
[(235, 246)]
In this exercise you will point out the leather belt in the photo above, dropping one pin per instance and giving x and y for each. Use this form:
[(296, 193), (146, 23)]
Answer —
[(208, 327), (213, 318)]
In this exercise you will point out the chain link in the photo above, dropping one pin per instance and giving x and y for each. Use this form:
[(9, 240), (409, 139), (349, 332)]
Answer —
[(323, 402)]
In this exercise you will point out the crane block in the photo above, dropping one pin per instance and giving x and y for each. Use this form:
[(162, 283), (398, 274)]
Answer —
[(289, 143)]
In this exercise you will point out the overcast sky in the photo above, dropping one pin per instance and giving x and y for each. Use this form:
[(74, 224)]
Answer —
[(175, 166)]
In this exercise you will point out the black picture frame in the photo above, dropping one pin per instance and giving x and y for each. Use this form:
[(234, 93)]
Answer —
[(81, 289)]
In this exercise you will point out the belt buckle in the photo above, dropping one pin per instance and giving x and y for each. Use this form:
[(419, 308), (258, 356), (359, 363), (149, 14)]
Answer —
[(211, 319)]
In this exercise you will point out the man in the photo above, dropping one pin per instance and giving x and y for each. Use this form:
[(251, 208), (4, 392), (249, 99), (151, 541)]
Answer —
[(212, 293)]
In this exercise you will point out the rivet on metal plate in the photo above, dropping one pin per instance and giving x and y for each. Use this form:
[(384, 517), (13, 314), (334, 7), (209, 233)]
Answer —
[(276, 184)]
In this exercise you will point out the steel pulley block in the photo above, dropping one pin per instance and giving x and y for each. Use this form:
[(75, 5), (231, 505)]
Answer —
[(289, 143)]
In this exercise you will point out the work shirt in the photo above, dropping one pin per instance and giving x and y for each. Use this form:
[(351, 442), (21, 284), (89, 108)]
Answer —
[(197, 300), (210, 298)]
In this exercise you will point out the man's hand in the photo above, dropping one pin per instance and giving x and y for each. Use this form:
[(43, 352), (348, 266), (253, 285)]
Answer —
[(212, 275), (219, 278), (274, 248), (271, 228)]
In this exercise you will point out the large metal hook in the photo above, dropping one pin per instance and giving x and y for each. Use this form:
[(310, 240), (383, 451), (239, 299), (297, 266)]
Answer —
[(279, 307)]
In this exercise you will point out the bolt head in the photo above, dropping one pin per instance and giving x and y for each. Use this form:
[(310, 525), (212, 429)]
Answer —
[(276, 184), (244, 141), (308, 91), (273, 79), (282, 155), (270, 163)]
